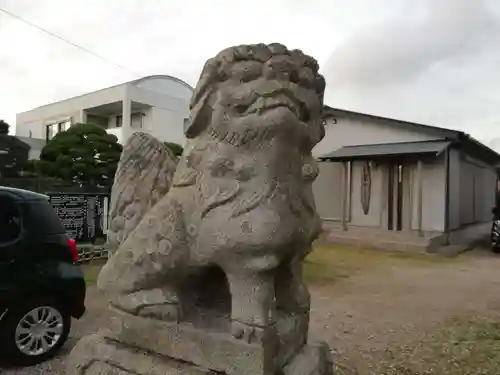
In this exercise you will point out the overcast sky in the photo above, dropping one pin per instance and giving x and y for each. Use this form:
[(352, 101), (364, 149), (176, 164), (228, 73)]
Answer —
[(430, 61)]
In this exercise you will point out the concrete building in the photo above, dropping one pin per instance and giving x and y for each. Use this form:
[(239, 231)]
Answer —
[(158, 105), (399, 185), (35, 144)]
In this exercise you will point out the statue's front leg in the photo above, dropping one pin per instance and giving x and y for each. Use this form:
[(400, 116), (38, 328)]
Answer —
[(292, 294), (252, 296), (292, 297), (139, 277)]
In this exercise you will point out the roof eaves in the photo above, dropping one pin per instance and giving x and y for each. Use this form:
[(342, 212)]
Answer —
[(466, 139), (377, 150)]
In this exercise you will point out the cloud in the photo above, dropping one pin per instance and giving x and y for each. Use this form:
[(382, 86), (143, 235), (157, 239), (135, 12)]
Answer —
[(433, 62), (399, 50), (144, 36), (430, 61)]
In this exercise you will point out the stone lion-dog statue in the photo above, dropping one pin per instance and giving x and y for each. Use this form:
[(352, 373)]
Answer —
[(240, 199)]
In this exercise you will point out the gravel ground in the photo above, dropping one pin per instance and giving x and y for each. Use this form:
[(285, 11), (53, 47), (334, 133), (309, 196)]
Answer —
[(362, 315)]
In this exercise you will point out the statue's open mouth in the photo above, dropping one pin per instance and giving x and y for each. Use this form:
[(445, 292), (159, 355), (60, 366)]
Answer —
[(280, 99)]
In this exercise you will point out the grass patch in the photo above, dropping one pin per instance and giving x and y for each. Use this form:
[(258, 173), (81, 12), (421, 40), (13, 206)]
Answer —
[(91, 272), (329, 263), (463, 347)]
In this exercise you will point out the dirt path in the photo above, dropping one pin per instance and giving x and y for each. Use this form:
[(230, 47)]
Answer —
[(364, 312)]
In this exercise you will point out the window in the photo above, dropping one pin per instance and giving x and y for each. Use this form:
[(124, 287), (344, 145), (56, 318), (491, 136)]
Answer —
[(118, 121), (52, 130), (10, 220), (64, 125), (42, 218), (57, 127), (135, 120)]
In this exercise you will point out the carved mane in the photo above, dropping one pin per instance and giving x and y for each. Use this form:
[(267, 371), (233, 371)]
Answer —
[(144, 175)]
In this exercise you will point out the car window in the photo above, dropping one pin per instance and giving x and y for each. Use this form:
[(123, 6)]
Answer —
[(10, 220), (42, 218)]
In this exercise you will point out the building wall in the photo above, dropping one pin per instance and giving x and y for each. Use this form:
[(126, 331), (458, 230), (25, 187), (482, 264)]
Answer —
[(472, 194), (348, 131), (33, 129), (168, 96), (139, 121), (328, 195), (455, 188), (157, 99), (36, 146), (166, 118), (476, 190), (118, 133), (168, 126), (472, 189), (34, 153), (327, 191), (345, 131), (433, 195), (166, 85), (471, 186), (36, 119)]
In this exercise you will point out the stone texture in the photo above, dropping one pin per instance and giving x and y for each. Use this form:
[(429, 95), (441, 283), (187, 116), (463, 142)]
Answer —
[(213, 347), (211, 275), (144, 175), (311, 360), (100, 355), (97, 355)]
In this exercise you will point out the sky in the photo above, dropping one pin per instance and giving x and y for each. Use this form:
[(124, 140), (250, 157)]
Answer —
[(435, 62)]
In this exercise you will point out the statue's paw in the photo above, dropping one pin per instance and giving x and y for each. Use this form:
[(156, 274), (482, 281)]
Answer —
[(168, 312), (245, 332)]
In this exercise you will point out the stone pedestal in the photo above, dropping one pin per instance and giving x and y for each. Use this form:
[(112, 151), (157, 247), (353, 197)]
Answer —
[(137, 345)]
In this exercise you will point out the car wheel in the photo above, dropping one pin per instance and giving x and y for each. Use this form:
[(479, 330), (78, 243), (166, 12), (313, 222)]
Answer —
[(35, 331)]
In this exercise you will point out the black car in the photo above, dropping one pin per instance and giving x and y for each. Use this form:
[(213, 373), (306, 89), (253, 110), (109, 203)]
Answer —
[(41, 283)]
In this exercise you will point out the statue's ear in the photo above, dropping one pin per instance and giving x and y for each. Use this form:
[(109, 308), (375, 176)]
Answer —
[(200, 117)]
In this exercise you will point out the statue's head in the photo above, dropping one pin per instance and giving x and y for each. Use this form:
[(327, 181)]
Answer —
[(250, 93)]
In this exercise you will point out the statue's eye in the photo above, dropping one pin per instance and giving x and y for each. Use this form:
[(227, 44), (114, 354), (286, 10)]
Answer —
[(220, 168), (244, 174), (240, 108)]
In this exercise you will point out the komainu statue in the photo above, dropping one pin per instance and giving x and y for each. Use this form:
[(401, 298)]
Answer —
[(210, 274)]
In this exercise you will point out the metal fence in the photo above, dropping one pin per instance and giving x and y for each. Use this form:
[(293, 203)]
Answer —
[(88, 254)]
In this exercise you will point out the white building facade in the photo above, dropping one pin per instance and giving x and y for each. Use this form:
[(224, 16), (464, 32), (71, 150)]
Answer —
[(158, 105)]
